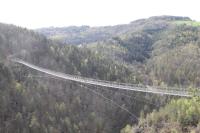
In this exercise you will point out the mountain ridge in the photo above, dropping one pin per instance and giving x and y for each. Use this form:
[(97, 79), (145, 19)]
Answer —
[(72, 34)]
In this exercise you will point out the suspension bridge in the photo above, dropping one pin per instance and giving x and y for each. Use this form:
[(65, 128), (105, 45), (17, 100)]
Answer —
[(182, 92)]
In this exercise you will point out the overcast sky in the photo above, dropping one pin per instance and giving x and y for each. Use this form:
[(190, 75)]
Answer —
[(57, 13)]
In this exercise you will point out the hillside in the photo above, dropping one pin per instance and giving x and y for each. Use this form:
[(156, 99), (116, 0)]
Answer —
[(85, 34), (162, 45), (161, 51), (39, 105)]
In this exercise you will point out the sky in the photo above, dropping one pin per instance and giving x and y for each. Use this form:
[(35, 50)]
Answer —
[(58, 13)]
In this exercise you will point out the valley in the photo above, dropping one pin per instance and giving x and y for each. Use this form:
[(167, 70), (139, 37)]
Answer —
[(159, 51)]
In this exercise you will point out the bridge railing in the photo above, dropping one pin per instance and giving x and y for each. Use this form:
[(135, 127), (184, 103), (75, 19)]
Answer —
[(108, 83)]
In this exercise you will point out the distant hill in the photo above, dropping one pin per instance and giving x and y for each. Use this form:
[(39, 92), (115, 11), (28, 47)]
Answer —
[(86, 34)]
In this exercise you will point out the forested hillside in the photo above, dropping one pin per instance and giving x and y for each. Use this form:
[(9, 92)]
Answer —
[(161, 51), (44, 104)]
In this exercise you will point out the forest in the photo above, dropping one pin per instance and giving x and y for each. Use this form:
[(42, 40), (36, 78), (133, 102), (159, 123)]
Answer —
[(158, 51)]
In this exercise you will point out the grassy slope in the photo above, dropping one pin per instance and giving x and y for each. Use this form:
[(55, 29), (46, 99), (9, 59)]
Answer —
[(189, 23)]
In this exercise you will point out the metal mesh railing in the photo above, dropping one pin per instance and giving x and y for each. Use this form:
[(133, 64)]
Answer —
[(124, 86)]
